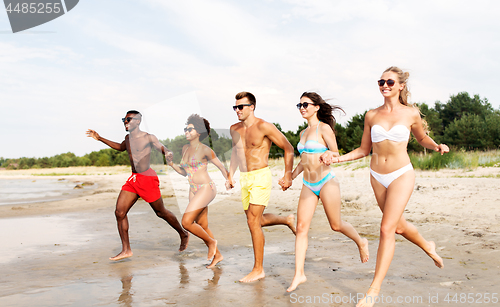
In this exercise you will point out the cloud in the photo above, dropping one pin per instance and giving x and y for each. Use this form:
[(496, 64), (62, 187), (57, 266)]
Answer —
[(86, 76)]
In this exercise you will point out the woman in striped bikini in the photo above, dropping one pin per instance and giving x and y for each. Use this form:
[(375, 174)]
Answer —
[(386, 132), (202, 190), (319, 182)]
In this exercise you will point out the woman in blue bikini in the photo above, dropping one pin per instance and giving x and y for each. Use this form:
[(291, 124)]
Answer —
[(386, 132), (319, 182), (194, 163)]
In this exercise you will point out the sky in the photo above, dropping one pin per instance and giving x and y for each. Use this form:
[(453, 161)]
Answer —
[(169, 59)]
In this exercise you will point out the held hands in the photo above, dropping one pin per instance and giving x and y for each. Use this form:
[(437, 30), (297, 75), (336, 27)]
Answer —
[(93, 134), (329, 157), (285, 183), (230, 184), (442, 149), (169, 156)]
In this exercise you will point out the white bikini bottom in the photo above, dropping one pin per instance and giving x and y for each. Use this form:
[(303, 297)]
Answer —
[(387, 179)]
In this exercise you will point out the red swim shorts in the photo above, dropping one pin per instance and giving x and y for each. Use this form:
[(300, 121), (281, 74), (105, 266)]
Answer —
[(145, 184)]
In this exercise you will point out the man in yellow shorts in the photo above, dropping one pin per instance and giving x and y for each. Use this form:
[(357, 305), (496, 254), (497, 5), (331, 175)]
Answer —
[(252, 139)]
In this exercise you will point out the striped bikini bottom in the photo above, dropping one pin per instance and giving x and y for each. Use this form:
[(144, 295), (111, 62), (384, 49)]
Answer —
[(316, 186)]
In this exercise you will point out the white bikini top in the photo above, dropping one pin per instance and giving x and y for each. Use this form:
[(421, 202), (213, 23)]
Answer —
[(398, 133)]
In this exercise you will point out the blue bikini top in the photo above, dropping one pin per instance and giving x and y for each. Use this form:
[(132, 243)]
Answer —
[(398, 133), (311, 146)]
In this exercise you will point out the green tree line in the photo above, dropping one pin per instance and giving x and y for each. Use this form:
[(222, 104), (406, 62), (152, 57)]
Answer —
[(463, 122), (103, 157)]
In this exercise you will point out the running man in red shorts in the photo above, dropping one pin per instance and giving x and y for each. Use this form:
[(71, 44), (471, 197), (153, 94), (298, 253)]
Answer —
[(142, 183)]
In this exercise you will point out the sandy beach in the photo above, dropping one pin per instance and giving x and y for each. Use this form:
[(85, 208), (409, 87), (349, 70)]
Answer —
[(55, 253)]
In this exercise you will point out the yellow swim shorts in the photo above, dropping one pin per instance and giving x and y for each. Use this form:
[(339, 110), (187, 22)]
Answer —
[(256, 187)]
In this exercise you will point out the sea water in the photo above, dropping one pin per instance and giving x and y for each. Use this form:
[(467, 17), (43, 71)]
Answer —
[(21, 191)]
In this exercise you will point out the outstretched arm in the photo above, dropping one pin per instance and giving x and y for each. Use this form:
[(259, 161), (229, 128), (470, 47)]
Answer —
[(362, 151), (281, 141), (423, 138), (93, 134), (169, 155)]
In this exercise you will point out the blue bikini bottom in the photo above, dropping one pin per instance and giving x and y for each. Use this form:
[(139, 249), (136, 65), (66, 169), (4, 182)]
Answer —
[(316, 186)]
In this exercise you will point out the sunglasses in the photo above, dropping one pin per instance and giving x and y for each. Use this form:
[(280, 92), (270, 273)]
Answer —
[(189, 129), (390, 82), (127, 119), (240, 106), (304, 105)]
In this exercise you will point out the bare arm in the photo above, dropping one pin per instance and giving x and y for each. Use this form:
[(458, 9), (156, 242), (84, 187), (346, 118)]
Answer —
[(362, 151), (280, 140), (178, 168), (233, 164), (118, 146), (330, 140), (212, 157), (298, 169), (169, 155), (424, 139)]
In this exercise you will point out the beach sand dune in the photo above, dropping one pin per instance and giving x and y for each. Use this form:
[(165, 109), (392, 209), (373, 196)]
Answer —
[(56, 253)]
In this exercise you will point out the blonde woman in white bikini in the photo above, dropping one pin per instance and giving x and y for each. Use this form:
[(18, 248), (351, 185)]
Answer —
[(387, 131)]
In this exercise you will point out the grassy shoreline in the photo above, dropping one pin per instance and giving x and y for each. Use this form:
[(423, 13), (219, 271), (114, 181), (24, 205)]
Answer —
[(456, 160)]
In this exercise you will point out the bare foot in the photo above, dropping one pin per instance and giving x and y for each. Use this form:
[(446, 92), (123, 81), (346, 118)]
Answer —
[(290, 222), (364, 254), (184, 241), (438, 261), (217, 258), (212, 249), (297, 280), (369, 299), (253, 276), (122, 255)]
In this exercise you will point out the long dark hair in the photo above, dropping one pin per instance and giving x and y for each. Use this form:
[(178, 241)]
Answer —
[(325, 112)]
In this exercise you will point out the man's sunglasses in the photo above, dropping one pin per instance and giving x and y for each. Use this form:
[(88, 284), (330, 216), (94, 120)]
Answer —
[(390, 82), (240, 106), (127, 119), (189, 129), (304, 105)]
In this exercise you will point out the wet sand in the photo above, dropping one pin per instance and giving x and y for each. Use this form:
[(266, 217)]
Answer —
[(56, 253)]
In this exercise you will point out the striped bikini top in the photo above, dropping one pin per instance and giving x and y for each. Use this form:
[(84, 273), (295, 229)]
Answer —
[(398, 133), (311, 146)]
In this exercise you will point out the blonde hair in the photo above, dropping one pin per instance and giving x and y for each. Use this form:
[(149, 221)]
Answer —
[(405, 94), (403, 76)]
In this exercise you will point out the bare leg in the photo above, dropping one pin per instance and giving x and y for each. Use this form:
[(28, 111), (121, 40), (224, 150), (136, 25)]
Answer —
[(202, 220), (197, 203), (270, 219), (124, 202), (305, 211), (410, 232), (330, 196), (169, 217), (254, 220), (392, 201)]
